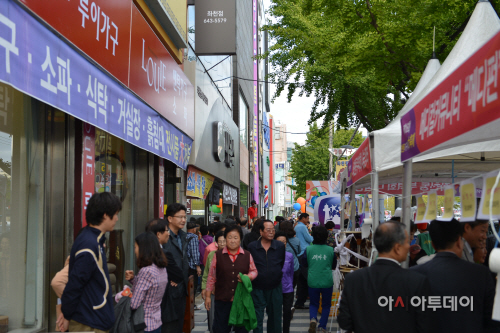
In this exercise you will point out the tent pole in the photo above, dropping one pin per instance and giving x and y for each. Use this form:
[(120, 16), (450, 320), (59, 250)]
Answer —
[(352, 203), (407, 166)]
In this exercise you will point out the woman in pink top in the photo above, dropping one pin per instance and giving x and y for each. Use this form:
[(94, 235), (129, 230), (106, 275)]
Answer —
[(150, 283)]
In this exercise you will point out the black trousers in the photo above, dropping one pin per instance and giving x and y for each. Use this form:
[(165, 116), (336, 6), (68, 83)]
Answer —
[(194, 273), (302, 289), (287, 311), (221, 318)]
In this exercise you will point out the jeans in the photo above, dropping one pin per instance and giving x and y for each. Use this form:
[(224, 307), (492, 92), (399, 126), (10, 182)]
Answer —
[(158, 330), (287, 311), (272, 301), (326, 304)]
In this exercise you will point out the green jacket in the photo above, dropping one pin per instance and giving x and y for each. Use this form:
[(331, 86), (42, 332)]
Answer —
[(242, 310), (204, 278), (320, 261)]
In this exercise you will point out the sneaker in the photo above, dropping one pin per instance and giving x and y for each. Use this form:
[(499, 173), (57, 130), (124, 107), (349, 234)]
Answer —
[(312, 326), (293, 311)]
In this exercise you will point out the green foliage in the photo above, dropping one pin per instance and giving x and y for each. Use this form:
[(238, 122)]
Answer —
[(353, 55), (311, 160)]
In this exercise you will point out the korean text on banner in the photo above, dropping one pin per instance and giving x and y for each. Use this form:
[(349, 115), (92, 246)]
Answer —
[(198, 183), (360, 163), (38, 63), (465, 100), (255, 138), (468, 200), (421, 209), (397, 188), (431, 212), (484, 207), (449, 199)]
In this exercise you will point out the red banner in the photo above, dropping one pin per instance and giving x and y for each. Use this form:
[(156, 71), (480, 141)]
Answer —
[(161, 189), (117, 37), (360, 163), (156, 77), (88, 167), (397, 188), (466, 100), (100, 28)]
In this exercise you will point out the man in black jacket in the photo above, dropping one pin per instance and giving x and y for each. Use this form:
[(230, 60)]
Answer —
[(269, 257), (174, 301), (87, 304), (377, 298), (456, 282)]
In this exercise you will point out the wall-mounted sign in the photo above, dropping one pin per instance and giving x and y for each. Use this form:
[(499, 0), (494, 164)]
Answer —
[(41, 65), (280, 165), (223, 144), (198, 183), (230, 195), (215, 22)]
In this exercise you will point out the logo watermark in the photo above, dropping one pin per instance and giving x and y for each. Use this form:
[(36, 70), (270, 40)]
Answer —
[(429, 302)]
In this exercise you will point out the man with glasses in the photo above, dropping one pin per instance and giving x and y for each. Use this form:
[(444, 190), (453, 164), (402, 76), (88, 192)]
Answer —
[(269, 257), (174, 301)]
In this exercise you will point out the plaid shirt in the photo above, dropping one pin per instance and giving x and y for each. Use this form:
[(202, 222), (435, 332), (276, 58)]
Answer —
[(148, 289), (193, 250)]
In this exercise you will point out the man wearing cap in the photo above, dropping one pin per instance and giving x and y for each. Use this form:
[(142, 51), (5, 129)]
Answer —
[(252, 210)]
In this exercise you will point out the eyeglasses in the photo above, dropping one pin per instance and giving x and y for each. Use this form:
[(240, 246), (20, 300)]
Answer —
[(181, 217)]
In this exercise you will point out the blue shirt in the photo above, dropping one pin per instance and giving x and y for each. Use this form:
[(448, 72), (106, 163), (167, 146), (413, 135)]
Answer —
[(295, 243), (303, 236)]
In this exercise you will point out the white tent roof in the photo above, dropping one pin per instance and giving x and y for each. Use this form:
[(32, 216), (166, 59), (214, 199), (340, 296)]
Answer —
[(482, 26)]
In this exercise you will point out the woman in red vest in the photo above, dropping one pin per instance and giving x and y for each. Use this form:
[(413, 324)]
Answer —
[(223, 278)]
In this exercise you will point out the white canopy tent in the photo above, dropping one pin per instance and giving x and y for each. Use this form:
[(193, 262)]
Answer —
[(468, 155)]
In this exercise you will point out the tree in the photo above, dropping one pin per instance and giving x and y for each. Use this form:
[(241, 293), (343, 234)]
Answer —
[(311, 160), (361, 59)]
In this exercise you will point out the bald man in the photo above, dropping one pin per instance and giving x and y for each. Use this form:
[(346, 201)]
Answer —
[(377, 298)]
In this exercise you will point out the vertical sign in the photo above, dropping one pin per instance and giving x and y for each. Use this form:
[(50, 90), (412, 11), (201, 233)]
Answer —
[(271, 160), (88, 166), (468, 200), (255, 108), (161, 188)]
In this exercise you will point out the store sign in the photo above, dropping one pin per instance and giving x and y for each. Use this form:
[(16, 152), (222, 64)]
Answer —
[(467, 99), (215, 22), (360, 163), (266, 130), (198, 183), (161, 189), (342, 151), (397, 188), (229, 195), (280, 165), (256, 183), (117, 37), (88, 167), (100, 28), (38, 63), (156, 77), (223, 144)]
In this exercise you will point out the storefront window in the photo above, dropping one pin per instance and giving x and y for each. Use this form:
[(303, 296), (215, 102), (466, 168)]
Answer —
[(22, 121), (114, 172)]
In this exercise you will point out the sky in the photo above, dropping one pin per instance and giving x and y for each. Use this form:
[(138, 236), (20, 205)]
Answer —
[(295, 114)]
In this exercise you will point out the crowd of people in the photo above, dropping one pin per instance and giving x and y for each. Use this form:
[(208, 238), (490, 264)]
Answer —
[(249, 268)]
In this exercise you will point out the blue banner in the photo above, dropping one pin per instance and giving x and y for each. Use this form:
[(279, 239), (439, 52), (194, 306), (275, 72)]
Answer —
[(40, 64)]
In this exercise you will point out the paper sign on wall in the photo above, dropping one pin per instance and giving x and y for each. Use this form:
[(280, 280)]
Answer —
[(449, 199), (468, 200), (421, 208), (484, 210)]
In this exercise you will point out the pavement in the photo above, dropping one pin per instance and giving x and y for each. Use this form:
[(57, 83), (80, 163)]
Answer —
[(299, 324)]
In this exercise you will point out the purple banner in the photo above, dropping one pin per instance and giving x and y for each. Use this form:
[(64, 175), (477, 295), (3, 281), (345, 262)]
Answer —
[(409, 146), (38, 63), (255, 107)]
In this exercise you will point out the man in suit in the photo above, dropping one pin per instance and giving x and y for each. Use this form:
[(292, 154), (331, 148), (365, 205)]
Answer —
[(457, 280), (377, 298), (174, 300), (474, 235)]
